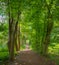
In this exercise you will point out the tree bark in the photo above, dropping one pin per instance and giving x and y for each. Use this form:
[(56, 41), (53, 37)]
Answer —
[(46, 41)]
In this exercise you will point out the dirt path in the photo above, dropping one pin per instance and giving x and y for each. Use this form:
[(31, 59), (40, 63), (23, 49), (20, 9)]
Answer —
[(28, 57)]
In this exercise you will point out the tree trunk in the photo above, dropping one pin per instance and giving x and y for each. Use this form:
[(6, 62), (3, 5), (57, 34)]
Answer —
[(12, 40), (16, 33), (46, 42), (18, 37)]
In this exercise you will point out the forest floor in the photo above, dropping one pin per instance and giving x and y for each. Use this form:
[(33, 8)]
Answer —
[(28, 57)]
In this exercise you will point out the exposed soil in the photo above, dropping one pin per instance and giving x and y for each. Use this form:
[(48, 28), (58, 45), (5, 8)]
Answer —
[(28, 57)]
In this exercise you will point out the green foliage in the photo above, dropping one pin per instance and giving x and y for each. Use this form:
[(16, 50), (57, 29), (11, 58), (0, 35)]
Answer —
[(3, 56), (54, 58), (35, 15)]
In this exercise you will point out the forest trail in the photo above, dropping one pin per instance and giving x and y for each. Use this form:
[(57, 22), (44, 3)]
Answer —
[(28, 57)]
